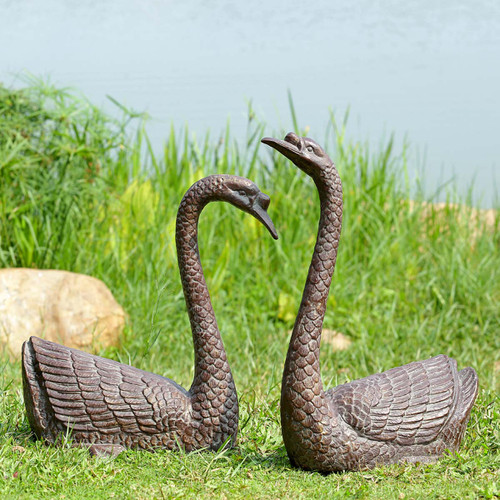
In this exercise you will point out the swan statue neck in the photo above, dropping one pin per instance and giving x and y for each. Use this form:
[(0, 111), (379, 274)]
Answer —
[(302, 368), (210, 356)]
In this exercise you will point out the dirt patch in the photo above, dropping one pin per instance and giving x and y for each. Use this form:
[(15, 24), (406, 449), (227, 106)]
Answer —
[(337, 340), (479, 220)]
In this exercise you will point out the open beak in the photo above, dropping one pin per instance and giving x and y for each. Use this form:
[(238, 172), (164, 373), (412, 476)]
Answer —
[(260, 213), (290, 147)]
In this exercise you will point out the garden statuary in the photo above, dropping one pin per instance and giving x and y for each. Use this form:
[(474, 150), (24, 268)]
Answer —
[(109, 406), (412, 413)]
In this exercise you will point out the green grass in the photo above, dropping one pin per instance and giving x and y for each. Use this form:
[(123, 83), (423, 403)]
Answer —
[(78, 192)]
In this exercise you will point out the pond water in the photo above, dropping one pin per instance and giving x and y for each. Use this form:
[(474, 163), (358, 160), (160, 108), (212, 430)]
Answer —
[(428, 71)]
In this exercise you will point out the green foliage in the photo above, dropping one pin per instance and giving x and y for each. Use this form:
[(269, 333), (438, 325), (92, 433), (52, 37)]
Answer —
[(58, 156), (78, 192)]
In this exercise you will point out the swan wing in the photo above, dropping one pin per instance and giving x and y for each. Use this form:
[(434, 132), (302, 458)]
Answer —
[(88, 394), (408, 405)]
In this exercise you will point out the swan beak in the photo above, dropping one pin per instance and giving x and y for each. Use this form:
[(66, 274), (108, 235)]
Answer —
[(259, 211), (290, 147)]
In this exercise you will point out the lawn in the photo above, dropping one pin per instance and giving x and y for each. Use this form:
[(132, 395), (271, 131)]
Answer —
[(87, 193)]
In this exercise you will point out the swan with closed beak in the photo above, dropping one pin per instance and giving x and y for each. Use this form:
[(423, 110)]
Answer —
[(109, 406)]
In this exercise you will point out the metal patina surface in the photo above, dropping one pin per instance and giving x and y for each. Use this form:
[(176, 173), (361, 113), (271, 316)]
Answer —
[(412, 413), (109, 406)]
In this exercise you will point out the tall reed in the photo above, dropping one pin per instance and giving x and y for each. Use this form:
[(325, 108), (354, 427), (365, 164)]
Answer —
[(89, 193)]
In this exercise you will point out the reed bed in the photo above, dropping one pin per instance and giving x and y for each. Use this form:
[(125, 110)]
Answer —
[(86, 192)]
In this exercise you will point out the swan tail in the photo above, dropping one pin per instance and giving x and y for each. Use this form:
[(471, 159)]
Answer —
[(34, 392), (469, 384), (467, 389)]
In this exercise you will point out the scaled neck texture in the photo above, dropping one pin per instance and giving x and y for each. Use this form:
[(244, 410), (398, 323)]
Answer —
[(211, 364), (302, 369)]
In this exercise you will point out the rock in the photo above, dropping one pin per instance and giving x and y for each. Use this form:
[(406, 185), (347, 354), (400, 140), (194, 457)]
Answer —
[(72, 309)]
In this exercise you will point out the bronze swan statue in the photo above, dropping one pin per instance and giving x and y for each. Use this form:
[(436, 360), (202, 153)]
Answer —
[(109, 406), (412, 413)]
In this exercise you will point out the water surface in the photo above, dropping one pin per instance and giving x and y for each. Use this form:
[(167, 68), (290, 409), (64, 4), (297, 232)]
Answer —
[(429, 71)]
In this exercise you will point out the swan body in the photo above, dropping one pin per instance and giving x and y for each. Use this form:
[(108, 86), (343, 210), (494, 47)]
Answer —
[(411, 413), (109, 406)]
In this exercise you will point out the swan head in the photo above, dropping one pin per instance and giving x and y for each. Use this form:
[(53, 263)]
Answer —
[(245, 195), (307, 154)]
